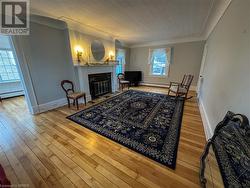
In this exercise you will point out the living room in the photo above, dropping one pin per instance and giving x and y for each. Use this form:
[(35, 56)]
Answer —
[(125, 93)]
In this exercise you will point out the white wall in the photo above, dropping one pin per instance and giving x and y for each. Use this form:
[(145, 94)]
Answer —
[(226, 84), (186, 60), (47, 58), (84, 40)]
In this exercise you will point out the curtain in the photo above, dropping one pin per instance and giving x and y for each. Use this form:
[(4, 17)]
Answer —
[(160, 52), (121, 58), (159, 61)]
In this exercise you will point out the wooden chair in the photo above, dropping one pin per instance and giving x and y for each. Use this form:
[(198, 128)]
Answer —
[(68, 87), (122, 81), (181, 89)]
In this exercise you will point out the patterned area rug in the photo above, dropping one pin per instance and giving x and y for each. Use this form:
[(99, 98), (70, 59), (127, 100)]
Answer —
[(232, 151), (148, 123)]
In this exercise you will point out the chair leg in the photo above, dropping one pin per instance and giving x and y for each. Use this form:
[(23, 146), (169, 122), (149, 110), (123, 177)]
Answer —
[(77, 106), (84, 99), (176, 95), (68, 102), (74, 102)]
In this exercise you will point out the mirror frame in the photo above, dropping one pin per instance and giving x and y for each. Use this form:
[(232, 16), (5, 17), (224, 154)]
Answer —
[(97, 50)]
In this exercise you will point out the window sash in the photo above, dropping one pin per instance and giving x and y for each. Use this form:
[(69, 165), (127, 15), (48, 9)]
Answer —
[(163, 70), (8, 67)]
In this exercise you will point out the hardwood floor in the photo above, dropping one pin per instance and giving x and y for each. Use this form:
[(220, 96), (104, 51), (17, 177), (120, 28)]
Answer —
[(48, 150)]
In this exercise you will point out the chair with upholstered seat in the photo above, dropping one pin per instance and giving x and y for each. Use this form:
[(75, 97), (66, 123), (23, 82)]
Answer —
[(181, 89), (122, 81), (68, 87)]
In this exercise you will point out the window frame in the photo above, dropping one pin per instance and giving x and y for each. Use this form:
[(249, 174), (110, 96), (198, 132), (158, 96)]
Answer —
[(122, 64), (13, 54), (167, 63)]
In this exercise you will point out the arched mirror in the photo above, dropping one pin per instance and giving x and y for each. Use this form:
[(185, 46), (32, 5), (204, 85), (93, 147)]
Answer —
[(98, 50)]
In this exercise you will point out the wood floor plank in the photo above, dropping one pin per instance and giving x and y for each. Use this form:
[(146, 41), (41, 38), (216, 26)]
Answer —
[(48, 150)]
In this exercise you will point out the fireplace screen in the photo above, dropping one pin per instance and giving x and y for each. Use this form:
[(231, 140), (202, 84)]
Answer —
[(99, 84)]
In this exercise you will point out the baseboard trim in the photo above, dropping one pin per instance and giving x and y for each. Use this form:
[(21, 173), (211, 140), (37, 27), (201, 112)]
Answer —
[(49, 106), (35, 110), (192, 88), (153, 85), (54, 104), (205, 120)]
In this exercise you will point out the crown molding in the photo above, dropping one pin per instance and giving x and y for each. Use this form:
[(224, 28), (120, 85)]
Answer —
[(67, 23), (216, 13), (86, 29), (168, 42), (48, 21)]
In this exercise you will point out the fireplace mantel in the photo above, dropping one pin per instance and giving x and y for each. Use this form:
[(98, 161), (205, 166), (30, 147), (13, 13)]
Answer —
[(95, 65), (85, 70)]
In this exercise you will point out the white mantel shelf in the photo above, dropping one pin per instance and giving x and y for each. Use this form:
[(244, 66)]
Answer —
[(95, 65), (85, 70)]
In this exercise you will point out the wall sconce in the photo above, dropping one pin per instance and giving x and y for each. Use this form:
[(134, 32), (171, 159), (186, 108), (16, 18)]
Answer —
[(111, 55), (79, 52)]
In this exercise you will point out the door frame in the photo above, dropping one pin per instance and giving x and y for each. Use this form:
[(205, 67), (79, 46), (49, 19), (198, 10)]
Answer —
[(22, 65), (201, 76)]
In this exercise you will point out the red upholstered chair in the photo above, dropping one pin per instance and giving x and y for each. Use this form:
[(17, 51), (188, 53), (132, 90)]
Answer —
[(4, 182)]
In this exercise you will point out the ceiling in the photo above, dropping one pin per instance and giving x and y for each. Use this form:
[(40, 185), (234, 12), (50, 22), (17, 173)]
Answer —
[(133, 21)]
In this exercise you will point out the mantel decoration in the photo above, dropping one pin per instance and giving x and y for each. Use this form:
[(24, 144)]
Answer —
[(94, 54)]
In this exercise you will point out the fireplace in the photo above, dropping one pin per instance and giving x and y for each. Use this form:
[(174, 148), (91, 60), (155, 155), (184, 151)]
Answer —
[(85, 72), (99, 84)]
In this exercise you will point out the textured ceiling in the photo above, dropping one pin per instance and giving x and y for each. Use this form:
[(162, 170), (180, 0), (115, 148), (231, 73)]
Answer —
[(133, 21)]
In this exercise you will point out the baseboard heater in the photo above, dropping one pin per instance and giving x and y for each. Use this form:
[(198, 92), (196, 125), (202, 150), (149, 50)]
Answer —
[(10, 92)]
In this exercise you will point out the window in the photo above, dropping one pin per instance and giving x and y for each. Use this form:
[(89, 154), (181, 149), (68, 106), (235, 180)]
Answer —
[(8, 67), (120, 57), (159, 61)]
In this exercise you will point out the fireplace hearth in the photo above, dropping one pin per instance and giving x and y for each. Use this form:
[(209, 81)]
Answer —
[(99, 84)]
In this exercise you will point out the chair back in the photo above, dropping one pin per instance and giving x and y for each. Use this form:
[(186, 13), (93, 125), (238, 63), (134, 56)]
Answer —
[(67, 86), (120, 76), (187, 80)]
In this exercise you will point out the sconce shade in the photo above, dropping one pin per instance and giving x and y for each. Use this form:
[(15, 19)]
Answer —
[(111, 55), (78, 49)]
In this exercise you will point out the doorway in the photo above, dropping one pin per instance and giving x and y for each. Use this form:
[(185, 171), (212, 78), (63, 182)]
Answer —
[(10, 80), (11, 77), (201, 75)]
